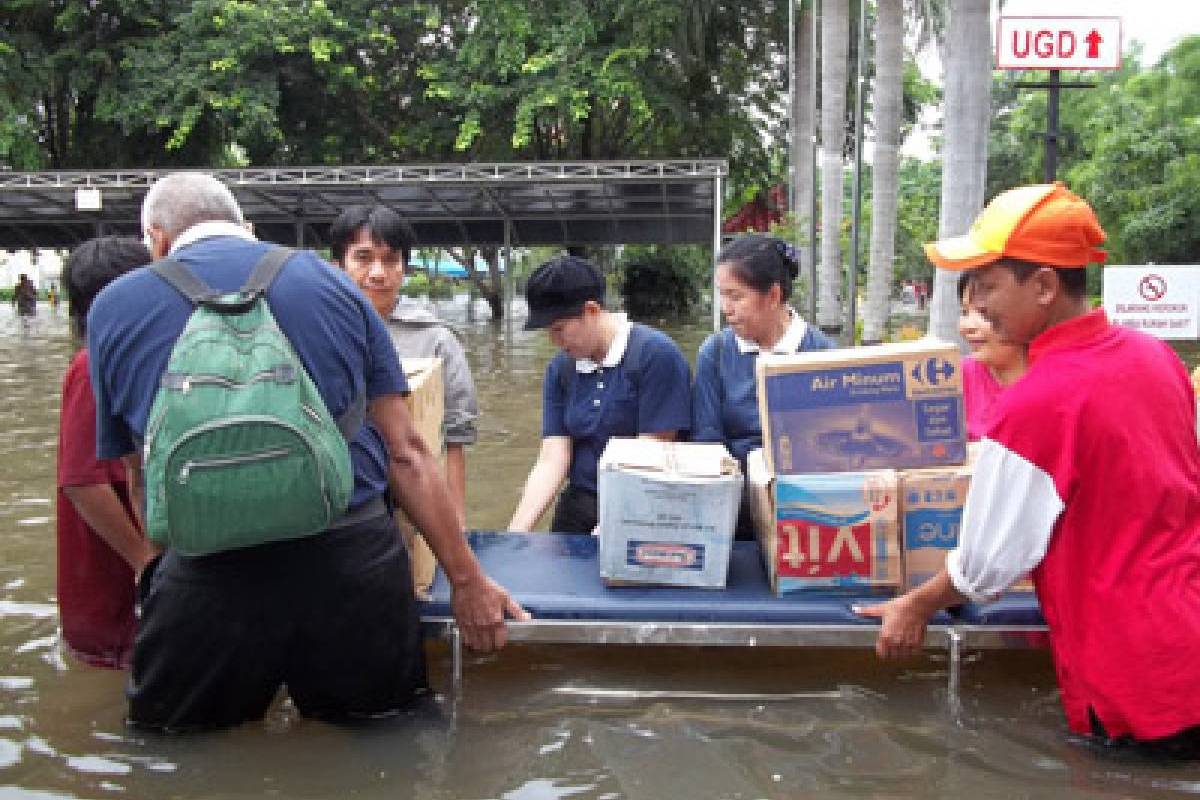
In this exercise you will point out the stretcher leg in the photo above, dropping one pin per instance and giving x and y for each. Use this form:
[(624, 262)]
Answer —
[(954, 658)]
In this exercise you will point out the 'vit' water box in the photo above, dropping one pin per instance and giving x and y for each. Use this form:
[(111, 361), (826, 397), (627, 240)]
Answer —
[(885, 406), (829, 531), (667, 512)]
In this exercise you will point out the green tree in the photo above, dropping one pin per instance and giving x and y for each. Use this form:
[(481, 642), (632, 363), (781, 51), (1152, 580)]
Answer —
[(661, 281), (1130, 145), (58, 62), (572, 79), (1142, 173)]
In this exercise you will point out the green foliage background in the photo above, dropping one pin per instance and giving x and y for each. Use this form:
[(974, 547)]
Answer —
[(103, 84)]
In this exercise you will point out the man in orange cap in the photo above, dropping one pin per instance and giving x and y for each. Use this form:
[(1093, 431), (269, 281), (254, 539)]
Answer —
[(1086, 476)]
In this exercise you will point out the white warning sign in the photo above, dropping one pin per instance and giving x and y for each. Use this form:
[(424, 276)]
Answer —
[(1162, 300)]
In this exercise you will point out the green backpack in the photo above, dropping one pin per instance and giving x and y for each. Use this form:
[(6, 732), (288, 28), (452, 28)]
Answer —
[(239, 448)]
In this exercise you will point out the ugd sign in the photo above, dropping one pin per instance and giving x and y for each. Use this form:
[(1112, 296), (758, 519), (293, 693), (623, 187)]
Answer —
[(1058, 43), (1163, 301)]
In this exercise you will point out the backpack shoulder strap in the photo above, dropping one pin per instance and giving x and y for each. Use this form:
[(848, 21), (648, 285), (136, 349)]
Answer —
[(184, 281), (198, 292), (265, 270)]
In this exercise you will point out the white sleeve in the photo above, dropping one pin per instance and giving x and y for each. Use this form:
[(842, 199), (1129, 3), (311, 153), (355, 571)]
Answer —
[(1009, 515)]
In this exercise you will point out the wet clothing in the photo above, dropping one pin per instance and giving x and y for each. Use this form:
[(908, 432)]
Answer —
[(640, 387), (330, 615), (95, 584), (980, 391), (417, 333), (725, 395), (1088, 471), (134, 322)]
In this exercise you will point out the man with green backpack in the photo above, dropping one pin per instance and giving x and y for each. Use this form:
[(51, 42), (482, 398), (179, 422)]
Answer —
[(258, 396)]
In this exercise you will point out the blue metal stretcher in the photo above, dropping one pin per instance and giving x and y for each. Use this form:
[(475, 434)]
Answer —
[(556, 577)]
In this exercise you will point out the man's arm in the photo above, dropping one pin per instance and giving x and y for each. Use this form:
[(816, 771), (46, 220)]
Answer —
[(101, 508), (137, 487), (479, 604), (905, 618), (1008, 519), (456, 478), (547, 475)]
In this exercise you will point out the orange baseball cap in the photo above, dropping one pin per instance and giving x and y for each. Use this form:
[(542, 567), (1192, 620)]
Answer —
[(1043, 224)]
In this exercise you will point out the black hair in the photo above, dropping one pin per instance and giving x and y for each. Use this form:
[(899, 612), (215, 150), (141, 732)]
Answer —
[(381, 222), (1072, 279), (762, 261), (95, 264), (963, 281)]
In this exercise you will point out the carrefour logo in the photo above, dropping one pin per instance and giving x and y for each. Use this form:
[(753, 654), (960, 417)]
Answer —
[(932, 371)]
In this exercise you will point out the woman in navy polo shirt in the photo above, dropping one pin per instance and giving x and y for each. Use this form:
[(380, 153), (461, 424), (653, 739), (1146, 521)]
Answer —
[(754, 281), (610, 378)]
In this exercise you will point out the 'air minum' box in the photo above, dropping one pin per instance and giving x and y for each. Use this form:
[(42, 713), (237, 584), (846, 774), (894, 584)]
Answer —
[(882, 407), (667, 512)]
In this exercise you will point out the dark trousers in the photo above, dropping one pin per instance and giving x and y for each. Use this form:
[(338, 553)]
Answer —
[(575, 512), (1182, 746), (331, 616)]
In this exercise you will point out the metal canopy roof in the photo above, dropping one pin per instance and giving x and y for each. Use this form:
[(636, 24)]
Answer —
[(544, 203)]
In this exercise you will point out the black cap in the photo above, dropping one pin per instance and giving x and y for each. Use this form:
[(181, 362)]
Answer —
[(559, 288)]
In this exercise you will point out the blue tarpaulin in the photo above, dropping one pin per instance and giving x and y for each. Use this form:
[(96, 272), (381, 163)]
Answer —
[(447, 267)]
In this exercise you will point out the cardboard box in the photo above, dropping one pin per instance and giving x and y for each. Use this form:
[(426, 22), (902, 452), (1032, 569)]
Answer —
[(426, 404), (667, 512), (931, 507), (882, 407), (427, 399), (829, 531)]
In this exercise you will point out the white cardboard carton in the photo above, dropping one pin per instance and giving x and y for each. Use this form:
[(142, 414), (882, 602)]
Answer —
[(667, 512)]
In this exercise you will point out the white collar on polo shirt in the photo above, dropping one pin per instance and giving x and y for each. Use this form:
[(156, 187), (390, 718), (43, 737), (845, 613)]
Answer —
[(789, 343), (616, 350), (207, 230)]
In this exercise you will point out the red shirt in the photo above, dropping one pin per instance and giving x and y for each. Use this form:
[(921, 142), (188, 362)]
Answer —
[(95, 585), (1108, 415)]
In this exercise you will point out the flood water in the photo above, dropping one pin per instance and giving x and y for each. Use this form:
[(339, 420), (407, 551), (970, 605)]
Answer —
[(530, 723)]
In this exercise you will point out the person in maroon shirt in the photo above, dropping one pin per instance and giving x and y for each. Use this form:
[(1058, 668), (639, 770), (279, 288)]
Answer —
[(101, 548)]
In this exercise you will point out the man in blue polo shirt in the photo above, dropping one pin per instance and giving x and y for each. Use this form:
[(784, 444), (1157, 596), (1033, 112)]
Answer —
[(332, 615)]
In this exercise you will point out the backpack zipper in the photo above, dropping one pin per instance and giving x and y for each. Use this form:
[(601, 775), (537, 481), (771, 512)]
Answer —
[(248, 458), (303, 436), (188, 381)]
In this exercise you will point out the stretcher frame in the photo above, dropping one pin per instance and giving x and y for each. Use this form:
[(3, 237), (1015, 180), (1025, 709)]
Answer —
[(953, 635)]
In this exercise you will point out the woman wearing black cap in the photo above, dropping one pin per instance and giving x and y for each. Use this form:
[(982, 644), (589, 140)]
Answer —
[(754, 281), (610, 378)]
